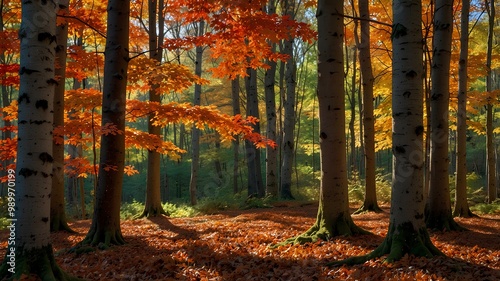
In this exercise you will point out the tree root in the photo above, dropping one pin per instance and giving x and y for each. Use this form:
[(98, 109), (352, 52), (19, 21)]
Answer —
[(342, 226), (37, 263), (464, 212), (395, 246), (443, 223), (366, 208), (60, 224), (151, 212)]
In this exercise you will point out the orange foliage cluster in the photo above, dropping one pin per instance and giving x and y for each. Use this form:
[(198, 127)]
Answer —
[(233, 245)]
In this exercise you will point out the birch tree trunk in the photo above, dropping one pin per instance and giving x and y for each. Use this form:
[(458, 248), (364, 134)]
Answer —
[(370, 200), (105, 228), (288, 143), (195, 135), (461, 208), (438, 215), (153, 206), (30, 252), (407, 233), (333, 217)]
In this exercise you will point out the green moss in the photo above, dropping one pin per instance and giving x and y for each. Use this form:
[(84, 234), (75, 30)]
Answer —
[(398, 242)]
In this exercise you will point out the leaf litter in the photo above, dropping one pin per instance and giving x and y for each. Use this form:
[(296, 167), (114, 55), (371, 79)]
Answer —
[(234, 245)]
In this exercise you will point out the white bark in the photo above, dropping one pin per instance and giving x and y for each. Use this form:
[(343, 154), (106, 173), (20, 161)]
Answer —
[(34, 152)]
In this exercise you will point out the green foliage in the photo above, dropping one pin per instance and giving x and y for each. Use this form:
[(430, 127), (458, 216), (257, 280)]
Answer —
[(475, 188), (483, 208), (356, 187), (3, 213), (129, 210)]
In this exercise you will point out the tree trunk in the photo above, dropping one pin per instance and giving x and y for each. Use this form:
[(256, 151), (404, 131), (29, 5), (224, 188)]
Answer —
[(195, 135), (235, 93), (153, 206), (370, 200), (461, 208), (5, 102), (490, 146), (57, 205), (333, 217), (407, 233), (287, 144), (105, 228), (438, 215), (255, 184), (270, 95), (30, 250)]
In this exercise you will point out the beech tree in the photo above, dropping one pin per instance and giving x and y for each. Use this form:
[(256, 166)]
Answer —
[(195, 133), (461, 207), (153, 205), (32, 250), (490, 146), (333, 212), (407, 232), (288, 137), (365, 61), (270, 96), (438, 214), (105, 226), (255, 184), (58, 219)]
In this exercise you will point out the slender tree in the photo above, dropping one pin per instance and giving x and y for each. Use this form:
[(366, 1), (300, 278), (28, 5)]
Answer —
[(58, 219), (31, 251), (255, 184), (288, 141), (333, 212), (407, 232), (365, 61), (270, 95), (490, 146), (195, 133), (105, 228), (438, 214), (153, 205), (235, 94), (461, 208)]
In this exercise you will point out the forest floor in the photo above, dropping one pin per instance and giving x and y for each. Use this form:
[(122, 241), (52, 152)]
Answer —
[(233, 245)]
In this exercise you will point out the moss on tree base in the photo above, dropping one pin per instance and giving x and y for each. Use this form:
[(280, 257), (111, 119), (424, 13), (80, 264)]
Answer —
[(325, 230), (464, 212), (443, 223), (37, 263), (102, 239), (59, 223), (152, 212), (404, 240), (368, 207)]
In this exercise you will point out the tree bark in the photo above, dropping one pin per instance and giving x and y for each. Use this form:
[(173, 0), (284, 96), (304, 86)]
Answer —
[(333, 217), (288, 141), (195, 135), (438, 215), (153, 206), (270, 95), (105, 228), (58, 219), (461, 208), (370, 200), (255, 184), (235, 93), (31, 251), (407, 233), (490, 146)]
